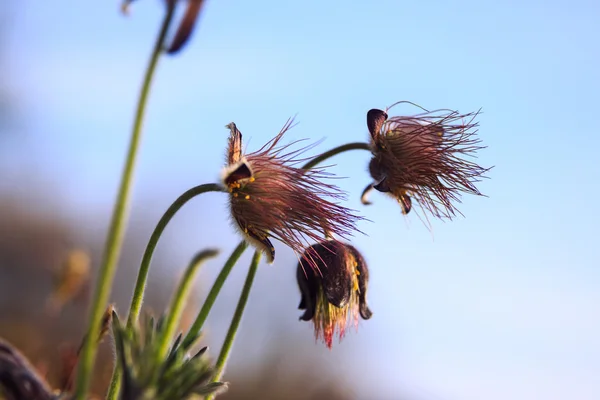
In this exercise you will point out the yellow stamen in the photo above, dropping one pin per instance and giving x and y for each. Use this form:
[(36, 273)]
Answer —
[(247, 197), (356, 275)]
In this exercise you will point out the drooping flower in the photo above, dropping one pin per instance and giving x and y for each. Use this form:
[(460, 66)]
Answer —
[(335, 293), (423, 156), (272, 197)]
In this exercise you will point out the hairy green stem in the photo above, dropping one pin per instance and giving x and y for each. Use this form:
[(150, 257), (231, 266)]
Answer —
[(115, 383), (178, 303), (194, 330), (235, 321), (335, 151), (118, 223)]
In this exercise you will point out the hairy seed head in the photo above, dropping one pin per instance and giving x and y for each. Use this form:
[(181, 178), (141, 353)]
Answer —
[(270, 196), (425, 156)]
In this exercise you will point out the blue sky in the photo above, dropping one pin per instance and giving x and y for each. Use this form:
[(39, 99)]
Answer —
[(500, 304)]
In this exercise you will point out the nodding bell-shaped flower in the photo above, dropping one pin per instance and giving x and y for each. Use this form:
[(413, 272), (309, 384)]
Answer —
[(422, 156), (334, 294), (271, 197)]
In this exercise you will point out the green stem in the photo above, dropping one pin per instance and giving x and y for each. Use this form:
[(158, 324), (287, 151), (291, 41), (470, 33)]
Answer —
[(115, 383), (212, 295), (178, 303), (235, 322), (118, 222), (140, 285), (335, 151)]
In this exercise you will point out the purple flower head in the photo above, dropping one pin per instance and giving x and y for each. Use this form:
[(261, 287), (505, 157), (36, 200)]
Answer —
[(424, 157), (272, 197)]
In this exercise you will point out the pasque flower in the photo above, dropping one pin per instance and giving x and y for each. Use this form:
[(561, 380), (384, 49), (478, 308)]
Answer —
[(335, 293), (272, 197), (423, 156)]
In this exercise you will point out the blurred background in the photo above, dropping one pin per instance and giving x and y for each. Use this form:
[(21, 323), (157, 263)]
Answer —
[(501, 304)]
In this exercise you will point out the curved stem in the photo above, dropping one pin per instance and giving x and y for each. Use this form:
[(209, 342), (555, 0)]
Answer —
[(194, 330), (116, 231), (335, 151), (140, 284), (177, 304), (235, 322)]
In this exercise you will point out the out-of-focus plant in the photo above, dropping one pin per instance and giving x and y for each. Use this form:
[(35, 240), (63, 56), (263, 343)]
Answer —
[(18, 379), (274, 193), (175, 375), (70, 280)]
